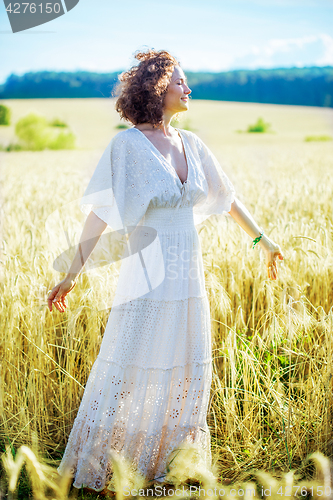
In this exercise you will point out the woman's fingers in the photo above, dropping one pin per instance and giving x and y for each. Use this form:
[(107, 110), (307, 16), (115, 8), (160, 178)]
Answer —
[(63, 303), (57, 304), (61, 300), (272, 271), (51, 297), (58, 294), (279, 256), (57, 298), (272, 268)]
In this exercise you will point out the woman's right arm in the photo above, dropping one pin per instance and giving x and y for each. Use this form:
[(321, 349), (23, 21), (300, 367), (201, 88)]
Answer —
[(92, 230)]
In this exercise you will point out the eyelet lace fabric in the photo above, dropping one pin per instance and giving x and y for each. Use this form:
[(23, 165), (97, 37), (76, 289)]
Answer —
[(141, 412), (148, 390)]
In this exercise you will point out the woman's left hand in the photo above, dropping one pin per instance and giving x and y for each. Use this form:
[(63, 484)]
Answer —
[(272, 253)]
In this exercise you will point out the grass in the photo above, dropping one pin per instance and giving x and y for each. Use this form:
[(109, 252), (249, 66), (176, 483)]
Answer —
[(31, 478), (271, 399)]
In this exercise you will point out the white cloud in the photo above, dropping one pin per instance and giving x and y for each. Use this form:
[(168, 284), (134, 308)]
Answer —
[(276, 45), (327, 57), (315, 49)]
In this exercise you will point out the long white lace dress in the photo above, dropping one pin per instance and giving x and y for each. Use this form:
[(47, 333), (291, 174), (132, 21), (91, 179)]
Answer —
[(148, 390)]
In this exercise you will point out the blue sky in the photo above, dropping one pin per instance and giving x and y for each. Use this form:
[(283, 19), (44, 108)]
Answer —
[(216, 35)]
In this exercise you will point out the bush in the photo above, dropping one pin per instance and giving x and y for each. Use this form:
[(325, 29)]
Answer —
[(122, 126), (5, 114), (310, 138), (179, 121), (187, 126), (260, 126), (63, 141), (56, 122), (36, 134), (13, 147), (33, 132)]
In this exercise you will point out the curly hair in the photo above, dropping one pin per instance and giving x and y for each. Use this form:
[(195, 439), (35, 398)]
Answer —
[(141, 89)]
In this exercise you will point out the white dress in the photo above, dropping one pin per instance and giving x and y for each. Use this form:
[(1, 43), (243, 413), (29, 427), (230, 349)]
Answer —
[(148, 390)]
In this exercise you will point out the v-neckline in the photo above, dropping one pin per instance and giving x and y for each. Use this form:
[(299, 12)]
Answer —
[(164, 158)]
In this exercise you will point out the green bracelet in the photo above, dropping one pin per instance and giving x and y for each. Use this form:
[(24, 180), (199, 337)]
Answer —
[(257, 239)]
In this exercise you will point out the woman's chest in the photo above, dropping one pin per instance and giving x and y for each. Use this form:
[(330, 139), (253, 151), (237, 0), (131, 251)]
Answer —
[(171, 152), (169, 190)]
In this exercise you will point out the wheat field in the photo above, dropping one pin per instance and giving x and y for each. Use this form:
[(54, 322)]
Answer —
[(271, 398)]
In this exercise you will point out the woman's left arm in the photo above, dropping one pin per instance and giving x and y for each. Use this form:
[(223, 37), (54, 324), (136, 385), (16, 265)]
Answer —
[(272, 250)]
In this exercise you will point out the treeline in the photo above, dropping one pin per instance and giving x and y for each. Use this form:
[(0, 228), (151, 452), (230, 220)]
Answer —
[(301, 86), (46, 84)]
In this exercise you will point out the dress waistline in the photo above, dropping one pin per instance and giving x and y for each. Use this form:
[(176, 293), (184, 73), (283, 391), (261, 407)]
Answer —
[(169, 218)]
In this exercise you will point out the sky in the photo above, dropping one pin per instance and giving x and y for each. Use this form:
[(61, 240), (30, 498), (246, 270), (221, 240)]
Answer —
[(204, 35)]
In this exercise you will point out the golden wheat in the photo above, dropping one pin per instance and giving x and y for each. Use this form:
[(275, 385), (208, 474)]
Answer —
[(271, 400)]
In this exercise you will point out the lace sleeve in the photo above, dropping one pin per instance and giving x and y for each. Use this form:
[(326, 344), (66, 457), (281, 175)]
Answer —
[(220, 190), (98, 196), (115, 192)]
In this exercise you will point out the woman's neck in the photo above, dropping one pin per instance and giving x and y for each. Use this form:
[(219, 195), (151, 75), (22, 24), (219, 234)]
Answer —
[(165, 126)]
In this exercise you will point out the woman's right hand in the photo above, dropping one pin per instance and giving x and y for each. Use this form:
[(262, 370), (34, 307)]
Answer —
[(58, 294)]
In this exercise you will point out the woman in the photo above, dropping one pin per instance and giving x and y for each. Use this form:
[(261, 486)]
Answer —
[(149, 388)]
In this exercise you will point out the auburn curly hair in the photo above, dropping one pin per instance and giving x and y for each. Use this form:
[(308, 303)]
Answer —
[(141, 89)]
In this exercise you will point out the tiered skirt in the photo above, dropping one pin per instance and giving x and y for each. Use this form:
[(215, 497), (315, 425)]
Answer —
[(148, 390)]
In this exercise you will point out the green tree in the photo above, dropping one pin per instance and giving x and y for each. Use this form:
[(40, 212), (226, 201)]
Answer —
[(5, 115)]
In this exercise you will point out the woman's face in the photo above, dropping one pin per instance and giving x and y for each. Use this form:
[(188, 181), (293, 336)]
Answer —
[(176, 98)]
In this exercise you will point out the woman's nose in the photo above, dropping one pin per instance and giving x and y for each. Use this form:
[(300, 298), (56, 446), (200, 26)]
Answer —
[(188, 91)]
